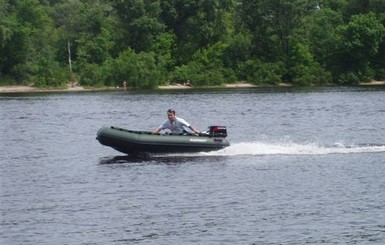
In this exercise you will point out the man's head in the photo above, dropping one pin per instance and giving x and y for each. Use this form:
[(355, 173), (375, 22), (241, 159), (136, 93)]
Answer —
[(171, 115)]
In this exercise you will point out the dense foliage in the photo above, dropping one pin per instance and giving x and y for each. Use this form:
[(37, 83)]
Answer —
[(210, 42)]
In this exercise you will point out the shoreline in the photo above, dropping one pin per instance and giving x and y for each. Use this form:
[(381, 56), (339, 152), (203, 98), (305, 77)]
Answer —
[(31, 89)]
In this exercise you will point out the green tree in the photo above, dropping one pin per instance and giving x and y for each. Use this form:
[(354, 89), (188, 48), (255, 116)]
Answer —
[(94, 40), (196, 24), (163, 49), (252, 19), (360, 43), (319, 32), (8, 32), (378, 61), (336, 5), (239, 50), (66, 16), (272, 22), (140, 23), (284, 16), (354, 7), (27, 33), (86, 33), (304, 69)]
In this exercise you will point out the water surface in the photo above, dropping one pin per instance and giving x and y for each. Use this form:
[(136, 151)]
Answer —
[(304, 167)]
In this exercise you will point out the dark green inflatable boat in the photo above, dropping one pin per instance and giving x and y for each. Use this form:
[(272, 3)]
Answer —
[(134, 142)]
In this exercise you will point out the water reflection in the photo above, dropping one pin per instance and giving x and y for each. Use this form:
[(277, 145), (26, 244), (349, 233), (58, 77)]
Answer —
[(156, 159)]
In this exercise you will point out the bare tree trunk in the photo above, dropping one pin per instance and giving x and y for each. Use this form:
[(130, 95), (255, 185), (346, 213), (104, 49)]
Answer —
[(69, 55)]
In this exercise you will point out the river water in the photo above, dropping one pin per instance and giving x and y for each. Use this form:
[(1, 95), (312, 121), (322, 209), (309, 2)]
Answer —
[(305, 166)]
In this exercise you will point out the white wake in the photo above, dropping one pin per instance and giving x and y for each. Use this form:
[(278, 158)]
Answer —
[(260, 148)]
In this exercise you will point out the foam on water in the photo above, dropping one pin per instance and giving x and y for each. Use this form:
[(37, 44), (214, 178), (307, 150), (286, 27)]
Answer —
[(290, 148)]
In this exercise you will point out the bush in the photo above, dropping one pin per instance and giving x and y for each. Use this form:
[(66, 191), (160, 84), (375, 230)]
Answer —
[(201, 75), (355, 77), (257, 72), (348, 79), (304, 69), (50, 74), (310, 75), (138, 70), (93, 75), (380, 74), (206, 68)]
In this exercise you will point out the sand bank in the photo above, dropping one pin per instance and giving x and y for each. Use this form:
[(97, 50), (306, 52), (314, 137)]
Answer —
[(373, 83), (31, 89)]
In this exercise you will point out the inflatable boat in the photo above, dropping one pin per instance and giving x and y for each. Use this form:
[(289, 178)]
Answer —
[(134, 142)]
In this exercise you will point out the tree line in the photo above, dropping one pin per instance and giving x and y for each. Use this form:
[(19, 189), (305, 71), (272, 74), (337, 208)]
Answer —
[(209, 42)]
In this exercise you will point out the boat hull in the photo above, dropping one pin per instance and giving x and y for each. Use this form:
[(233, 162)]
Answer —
[(132, 142)]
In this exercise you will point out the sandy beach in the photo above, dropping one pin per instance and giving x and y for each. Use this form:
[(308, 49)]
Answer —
[(374, 83), (234, 85), (31, 89)]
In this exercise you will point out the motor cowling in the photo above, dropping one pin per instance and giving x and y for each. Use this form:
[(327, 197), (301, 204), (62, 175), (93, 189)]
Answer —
[(218, 131)]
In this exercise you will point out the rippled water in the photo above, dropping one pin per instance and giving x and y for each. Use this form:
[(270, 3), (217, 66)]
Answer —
[(304, 167)]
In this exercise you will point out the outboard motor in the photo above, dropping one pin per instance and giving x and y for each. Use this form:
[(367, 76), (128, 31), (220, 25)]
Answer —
[(218, 131)]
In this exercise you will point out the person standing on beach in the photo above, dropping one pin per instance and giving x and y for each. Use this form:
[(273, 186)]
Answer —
[(175, 124)]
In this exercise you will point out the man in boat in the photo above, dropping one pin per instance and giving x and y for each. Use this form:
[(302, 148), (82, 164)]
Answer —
[(175, 124)]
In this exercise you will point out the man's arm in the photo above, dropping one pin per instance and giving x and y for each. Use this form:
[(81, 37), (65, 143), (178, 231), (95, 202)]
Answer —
[(194, 129)]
